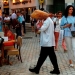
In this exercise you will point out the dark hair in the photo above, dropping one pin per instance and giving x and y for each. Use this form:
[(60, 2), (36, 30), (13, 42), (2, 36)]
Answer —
[(59, 12), (67, 9), (18, 11)]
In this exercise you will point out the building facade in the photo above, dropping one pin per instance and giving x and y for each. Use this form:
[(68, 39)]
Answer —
[(30, 5)]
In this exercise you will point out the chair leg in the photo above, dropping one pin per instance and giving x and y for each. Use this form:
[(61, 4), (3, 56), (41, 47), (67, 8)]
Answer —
[(20, 56), (0, 61), (8, 59)]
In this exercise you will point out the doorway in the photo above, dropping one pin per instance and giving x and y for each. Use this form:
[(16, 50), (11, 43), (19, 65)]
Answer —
[(6, 10), (58, 5)]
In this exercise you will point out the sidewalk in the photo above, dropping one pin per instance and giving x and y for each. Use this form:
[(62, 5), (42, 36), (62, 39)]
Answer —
[(30, 52)]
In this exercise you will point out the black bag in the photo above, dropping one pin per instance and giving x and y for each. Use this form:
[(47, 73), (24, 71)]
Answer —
[(1, 41), (73, 33)]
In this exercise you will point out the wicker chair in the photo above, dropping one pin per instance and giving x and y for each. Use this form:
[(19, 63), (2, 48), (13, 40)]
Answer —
[(14, 50)]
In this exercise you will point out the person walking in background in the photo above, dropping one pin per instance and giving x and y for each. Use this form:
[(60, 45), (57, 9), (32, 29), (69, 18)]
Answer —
[(47, 42), (13, 19), (32, 24), (62, 41), (7, 20), (19, 24), (57, 28), (24, 16), (23, 24), (67, 23), (59, 16)]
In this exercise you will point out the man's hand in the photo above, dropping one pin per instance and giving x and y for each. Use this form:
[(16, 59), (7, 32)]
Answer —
[(38, 32)]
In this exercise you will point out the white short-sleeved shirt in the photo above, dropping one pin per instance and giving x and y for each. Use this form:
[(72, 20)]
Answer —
[(13, 16), (7, 18), (47, 38)]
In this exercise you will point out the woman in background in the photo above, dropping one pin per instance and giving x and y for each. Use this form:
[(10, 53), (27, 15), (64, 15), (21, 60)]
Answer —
[(32, 24), (8, 33), (67, 23)]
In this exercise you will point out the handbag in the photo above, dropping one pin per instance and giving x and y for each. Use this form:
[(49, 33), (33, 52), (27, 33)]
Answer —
[(73, 33)]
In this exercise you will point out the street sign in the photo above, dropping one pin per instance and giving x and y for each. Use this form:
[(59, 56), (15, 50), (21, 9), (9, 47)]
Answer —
[(41, 1)]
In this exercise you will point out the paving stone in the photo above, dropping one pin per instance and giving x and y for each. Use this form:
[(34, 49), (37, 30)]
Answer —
[(30, 52)]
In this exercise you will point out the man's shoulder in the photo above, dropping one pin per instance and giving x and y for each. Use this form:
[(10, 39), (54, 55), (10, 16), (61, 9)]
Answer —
[(48, 20)]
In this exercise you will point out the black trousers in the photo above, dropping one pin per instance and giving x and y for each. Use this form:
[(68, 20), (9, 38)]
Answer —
[(18, 31), (24, 26), (47, 51)]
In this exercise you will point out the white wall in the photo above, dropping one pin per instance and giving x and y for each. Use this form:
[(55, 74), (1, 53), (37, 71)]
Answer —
[(1, 4), (69, 1), (37, 4), (49, 2)]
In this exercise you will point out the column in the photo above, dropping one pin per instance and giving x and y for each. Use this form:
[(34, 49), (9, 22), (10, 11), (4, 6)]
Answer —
[(49, 5), (37, 4), (1, 5), (10, 12)]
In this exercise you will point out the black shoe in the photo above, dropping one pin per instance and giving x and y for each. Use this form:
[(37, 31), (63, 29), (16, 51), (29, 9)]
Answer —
[(55, 72), (34, 70), (36, 35)]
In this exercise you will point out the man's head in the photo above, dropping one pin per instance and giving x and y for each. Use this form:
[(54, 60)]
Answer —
[(18, 13), (13, 11), (50, 15)]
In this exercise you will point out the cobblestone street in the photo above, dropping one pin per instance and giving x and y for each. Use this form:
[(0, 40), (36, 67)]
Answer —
[(30, 52)]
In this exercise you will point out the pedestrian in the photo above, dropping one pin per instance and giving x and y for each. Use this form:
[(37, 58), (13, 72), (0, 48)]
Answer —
[(7, 20), (13, 21), (67, 24), (32, 24), (24, 25), (19, 25), (47, 42), (57, 28)]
